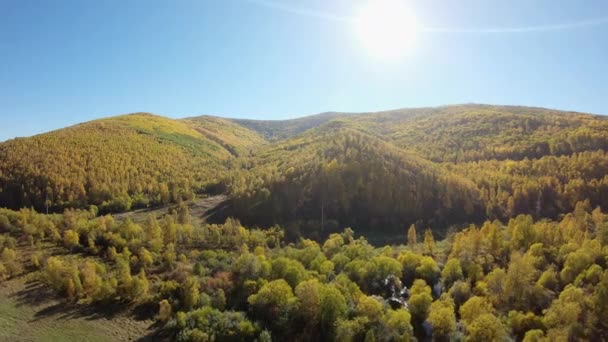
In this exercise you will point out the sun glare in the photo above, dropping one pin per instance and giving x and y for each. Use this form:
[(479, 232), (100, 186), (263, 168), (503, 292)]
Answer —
[(387, 28)]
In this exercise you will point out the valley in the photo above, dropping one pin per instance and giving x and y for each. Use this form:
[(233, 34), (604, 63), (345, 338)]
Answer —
[(465, 222)]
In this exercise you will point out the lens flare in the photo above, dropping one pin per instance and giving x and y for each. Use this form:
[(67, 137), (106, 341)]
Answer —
[(386, 28)]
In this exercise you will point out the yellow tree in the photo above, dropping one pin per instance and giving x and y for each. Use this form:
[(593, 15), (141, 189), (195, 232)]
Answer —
[(442, 318), (411, 236), (429, 241)]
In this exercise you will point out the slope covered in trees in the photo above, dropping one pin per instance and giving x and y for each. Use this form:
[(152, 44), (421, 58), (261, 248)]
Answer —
[(518, 280), (544, 187), (480, 132), (521, 160), (463, 132), (334, 176), (282, 129), (235, 138), (384, 170), (115, 163)]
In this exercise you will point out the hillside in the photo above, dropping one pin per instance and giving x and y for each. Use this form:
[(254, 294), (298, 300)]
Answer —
[(544, 187), (281, 129), (519, 160), (347, 178), (236, 139), (478, 132), (115, 163), (463, 132)]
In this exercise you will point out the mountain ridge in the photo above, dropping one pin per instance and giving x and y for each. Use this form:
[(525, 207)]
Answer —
[(140, 160), (326, 113)]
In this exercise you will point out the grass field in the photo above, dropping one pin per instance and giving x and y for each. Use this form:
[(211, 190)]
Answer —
[(30, 312)]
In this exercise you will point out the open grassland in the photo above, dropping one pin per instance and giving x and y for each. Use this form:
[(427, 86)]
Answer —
[(31, 311)]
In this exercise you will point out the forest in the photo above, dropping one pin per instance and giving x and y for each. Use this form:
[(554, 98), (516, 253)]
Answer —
[(464, 223), (528, 280)]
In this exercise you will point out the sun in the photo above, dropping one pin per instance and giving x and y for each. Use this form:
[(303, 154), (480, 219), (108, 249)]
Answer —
[(386, 28)]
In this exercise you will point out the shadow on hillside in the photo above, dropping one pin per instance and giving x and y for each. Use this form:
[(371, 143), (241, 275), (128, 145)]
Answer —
[(49, 304), (218, 214), (34, 293), (156, 334), (66, 311)]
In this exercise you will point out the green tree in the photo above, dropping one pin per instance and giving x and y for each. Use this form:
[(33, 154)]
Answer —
[(451, 272), (600, 306), (420, 300), (409, 262), (535, 335), (190, 293), (486, 327), (153, 233), (397, 325), (519, 289), (92, 281), (291, 270), (428, 270), (460, 292), (379, 268), (146, 257), (71, 239), (333, 307), (349, 330), (273, 303), (309, 300), (442, 318), (9, 261), (141, 286), (370, 308), (564, 318), (473, 308), (522, 322)]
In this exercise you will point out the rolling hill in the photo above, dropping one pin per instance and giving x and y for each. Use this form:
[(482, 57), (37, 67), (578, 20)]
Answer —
[(481, 132), (518, 197), (116, 163), (460, 133), (236, 139), (273, 130), (380, 170), (349, 178), (521, 160)]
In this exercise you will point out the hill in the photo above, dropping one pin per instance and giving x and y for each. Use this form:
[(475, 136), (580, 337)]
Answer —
[(480, 132), (334, 176), (236, 139), (282, 129), (521, 160), (514, 160), (467, 132), (116, 163)]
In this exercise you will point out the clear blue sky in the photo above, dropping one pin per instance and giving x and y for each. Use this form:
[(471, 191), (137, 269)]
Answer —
[(64, 62)]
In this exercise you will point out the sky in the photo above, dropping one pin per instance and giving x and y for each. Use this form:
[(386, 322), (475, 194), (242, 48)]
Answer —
[(64, 62)]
